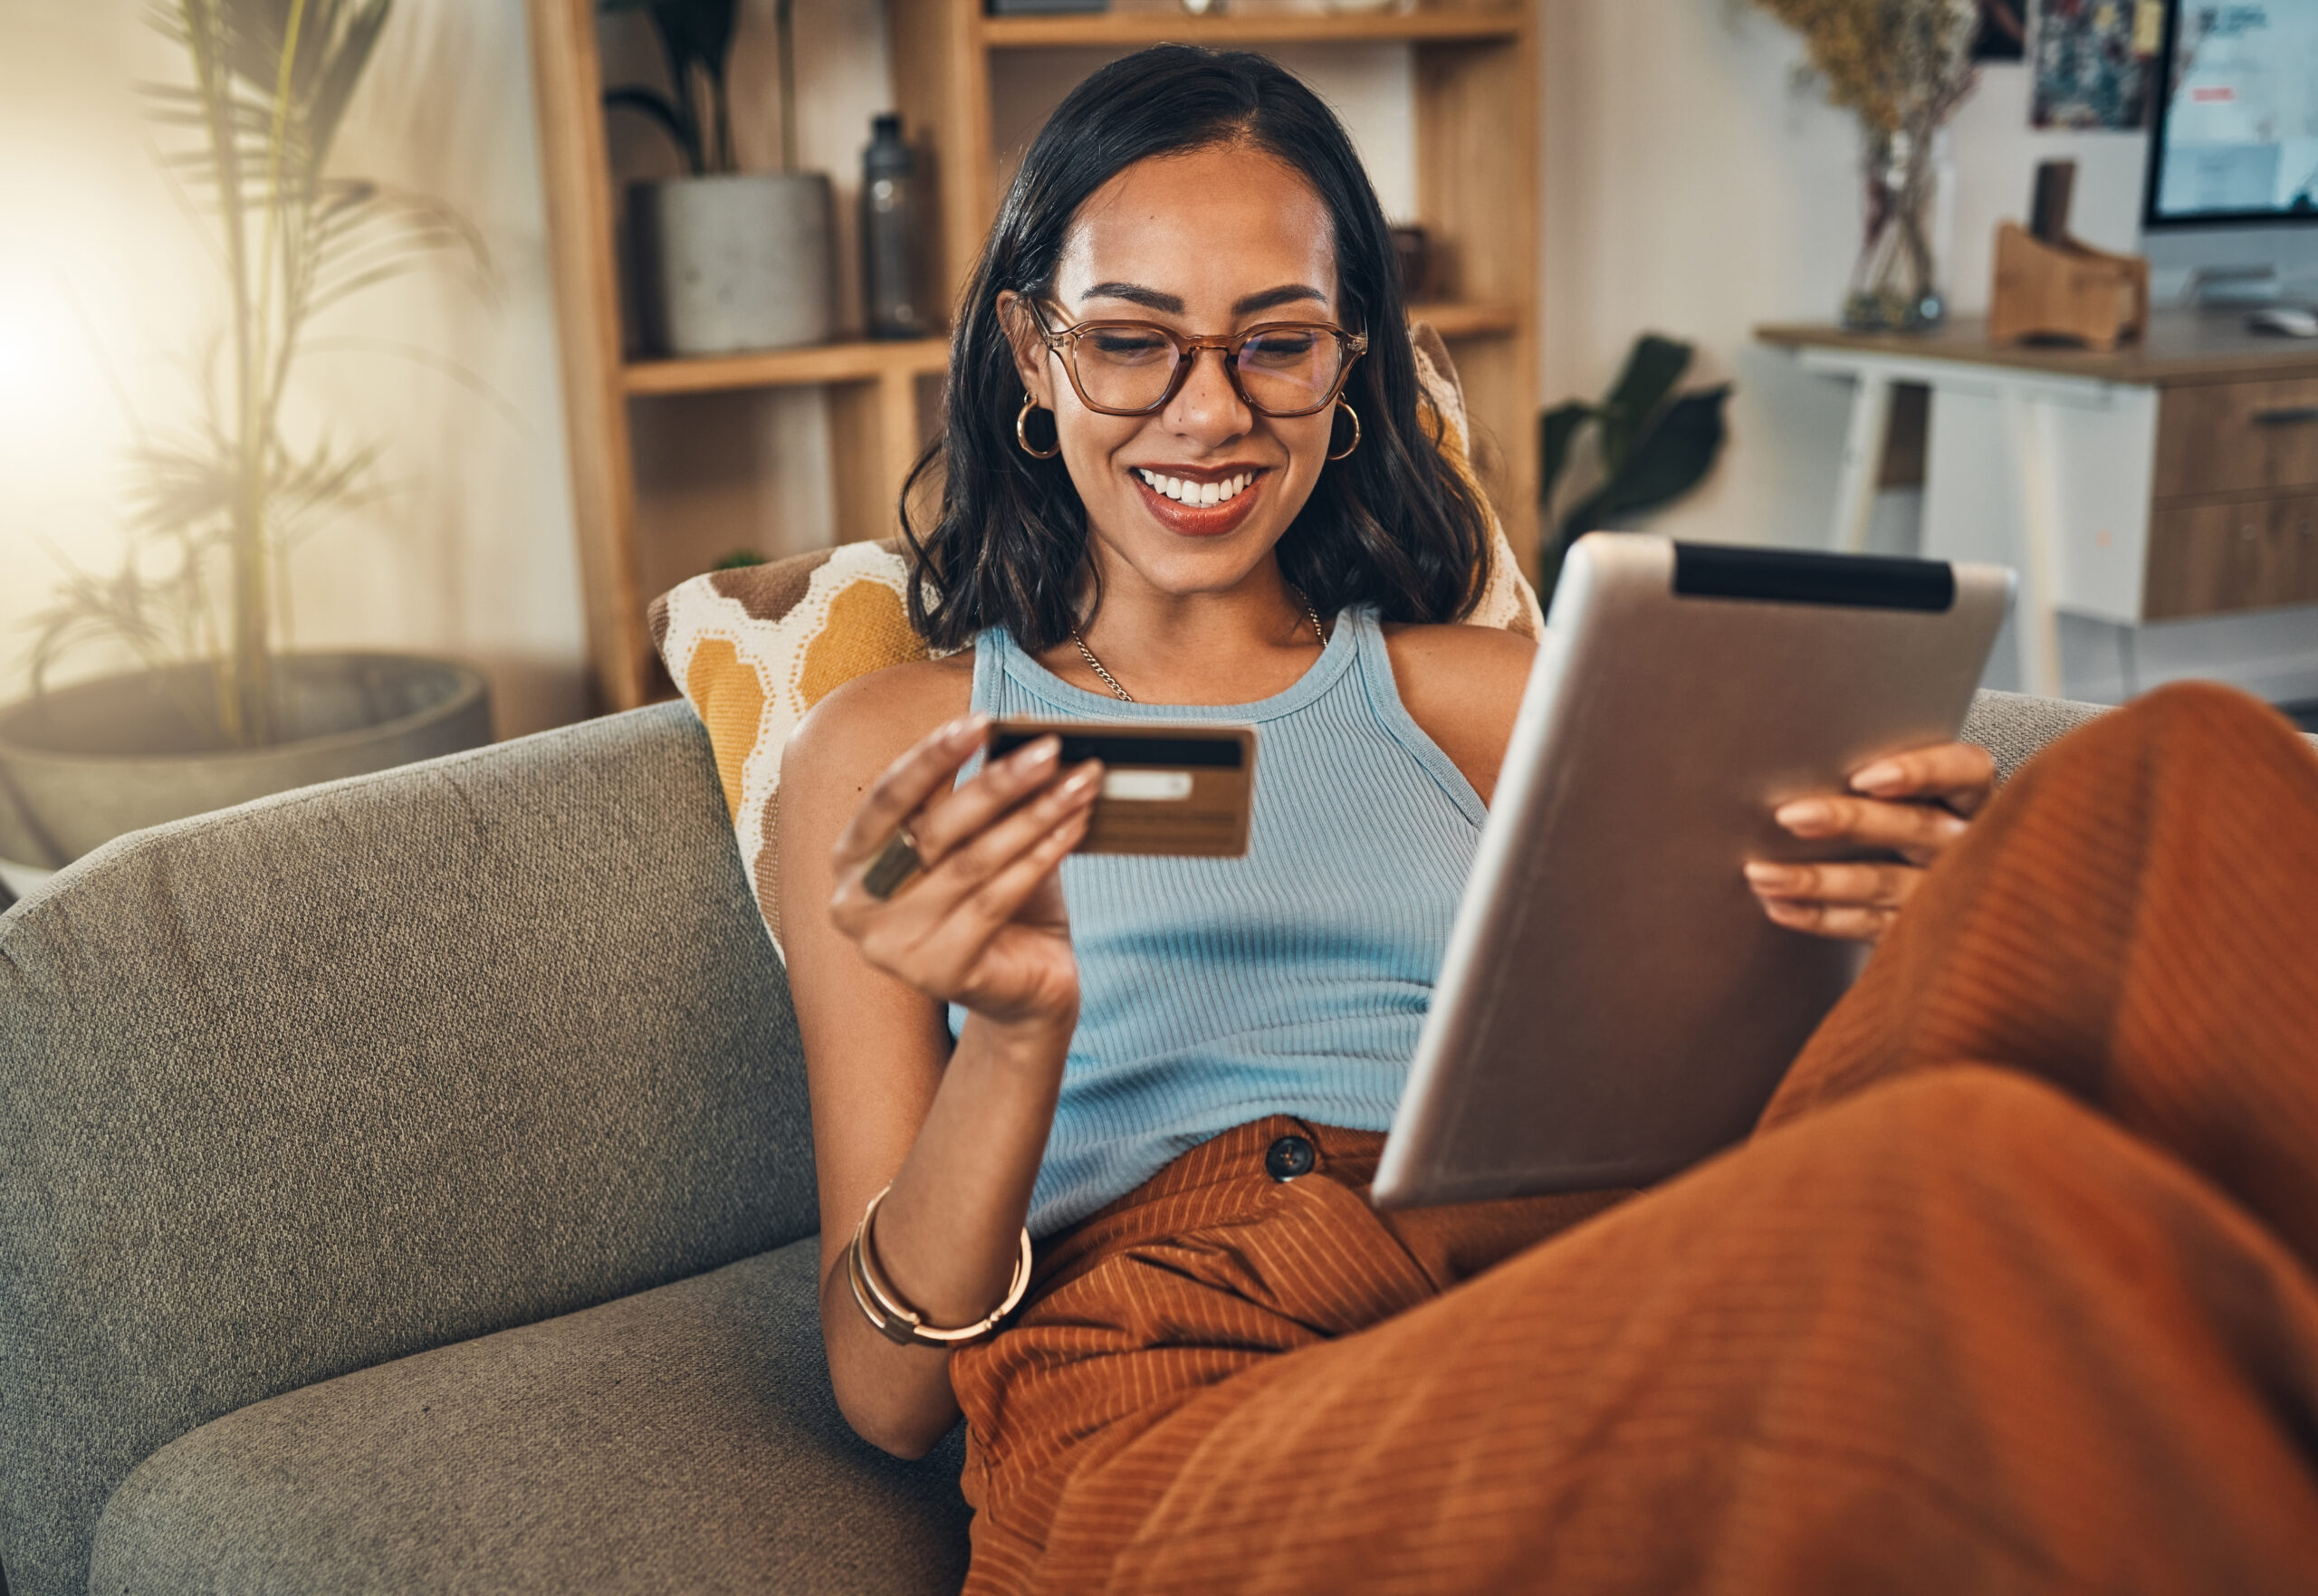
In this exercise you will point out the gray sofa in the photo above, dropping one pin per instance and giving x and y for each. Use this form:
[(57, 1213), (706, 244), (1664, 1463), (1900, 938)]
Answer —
[(405, 1184)]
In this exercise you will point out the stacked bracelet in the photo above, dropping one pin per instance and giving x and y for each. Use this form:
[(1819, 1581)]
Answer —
[(895, 1320)]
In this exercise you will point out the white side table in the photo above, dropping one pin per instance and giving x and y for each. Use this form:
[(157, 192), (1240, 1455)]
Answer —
[(2171, 479)]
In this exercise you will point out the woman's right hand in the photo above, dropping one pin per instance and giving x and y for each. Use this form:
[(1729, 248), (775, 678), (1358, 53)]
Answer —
[(982, 924)]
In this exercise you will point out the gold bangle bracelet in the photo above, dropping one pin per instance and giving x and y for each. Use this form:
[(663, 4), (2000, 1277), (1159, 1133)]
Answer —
[(896, 1320)]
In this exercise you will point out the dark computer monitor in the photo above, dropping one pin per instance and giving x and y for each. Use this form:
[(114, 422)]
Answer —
[(2236, 136)]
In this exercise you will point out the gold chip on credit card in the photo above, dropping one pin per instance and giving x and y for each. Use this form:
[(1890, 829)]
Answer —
[(1183, 790)]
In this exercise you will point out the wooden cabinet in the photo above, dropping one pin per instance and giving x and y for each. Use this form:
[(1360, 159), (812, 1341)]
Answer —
[(2234, 519), (1474, 72), (2247, 554), (2237, 437)]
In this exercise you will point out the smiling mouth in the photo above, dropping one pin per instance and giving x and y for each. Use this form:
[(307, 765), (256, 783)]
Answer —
[(1197, 495)]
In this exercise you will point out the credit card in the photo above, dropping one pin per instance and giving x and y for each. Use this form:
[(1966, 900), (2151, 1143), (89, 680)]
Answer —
[(1188, 791)]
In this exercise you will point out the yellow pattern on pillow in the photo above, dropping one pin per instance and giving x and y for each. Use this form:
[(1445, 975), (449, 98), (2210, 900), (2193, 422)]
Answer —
[(754, 649), (867, 629), (730, 702)]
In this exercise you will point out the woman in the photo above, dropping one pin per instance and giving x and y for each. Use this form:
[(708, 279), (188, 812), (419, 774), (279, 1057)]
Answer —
[(1187, 478)]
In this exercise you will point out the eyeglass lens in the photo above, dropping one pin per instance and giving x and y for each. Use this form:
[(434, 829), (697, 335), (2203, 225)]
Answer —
[(1287, 371)]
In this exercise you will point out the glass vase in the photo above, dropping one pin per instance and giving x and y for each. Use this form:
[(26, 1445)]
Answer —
[(1895, 287)]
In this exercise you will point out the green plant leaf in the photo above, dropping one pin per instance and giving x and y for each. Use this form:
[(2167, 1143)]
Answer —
[(699, 31), (335, 42), (1670, 459), (364, 232), (1558, 431), (695, 39), (340, 73), (1654, 368), (670, 116)]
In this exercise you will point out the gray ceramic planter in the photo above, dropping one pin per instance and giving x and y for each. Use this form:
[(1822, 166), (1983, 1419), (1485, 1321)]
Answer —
[(88, 762), (733, 263)]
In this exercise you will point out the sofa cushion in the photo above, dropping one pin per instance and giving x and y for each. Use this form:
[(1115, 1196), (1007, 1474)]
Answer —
[(680, 1439), (295, 1088), (754, 649)]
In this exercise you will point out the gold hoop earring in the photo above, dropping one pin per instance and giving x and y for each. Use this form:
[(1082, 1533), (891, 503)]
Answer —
[(1022, 435), (1349, 448)]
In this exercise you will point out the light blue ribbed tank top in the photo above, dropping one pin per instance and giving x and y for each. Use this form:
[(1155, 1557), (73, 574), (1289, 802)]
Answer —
[(1293, 980)]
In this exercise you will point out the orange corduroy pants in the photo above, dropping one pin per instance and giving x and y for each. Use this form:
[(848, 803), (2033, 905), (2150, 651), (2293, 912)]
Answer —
[(2013, 1289)]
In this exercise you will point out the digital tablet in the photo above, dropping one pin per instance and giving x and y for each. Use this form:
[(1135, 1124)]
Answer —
[(1612, 1004)]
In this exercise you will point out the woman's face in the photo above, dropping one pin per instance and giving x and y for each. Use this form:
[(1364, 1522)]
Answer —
[(1206, 243)]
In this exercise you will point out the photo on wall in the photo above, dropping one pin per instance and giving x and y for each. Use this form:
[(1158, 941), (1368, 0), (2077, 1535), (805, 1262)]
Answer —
[(2092, 61)]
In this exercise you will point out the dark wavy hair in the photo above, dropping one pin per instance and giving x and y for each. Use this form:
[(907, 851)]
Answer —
[(1394, 524)]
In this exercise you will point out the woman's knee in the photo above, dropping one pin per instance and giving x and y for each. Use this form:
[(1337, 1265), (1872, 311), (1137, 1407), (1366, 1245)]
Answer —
[(1960, 1145), (2194, 722)]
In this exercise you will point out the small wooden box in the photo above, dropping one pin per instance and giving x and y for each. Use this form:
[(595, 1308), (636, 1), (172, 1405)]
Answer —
[(2065, 290)]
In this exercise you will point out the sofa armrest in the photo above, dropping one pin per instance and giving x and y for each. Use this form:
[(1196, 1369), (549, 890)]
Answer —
[(301, 1087), (2013, 726)]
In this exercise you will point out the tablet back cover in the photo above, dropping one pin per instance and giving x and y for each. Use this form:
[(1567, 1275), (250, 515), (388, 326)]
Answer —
[(1612, 1004)]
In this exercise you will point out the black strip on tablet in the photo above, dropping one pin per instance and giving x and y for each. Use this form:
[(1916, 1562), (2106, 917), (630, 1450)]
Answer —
[(1787, 576), (1188, 753)]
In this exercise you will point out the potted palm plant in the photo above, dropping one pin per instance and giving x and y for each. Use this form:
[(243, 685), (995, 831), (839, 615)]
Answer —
[(221, 712), (725, 260)]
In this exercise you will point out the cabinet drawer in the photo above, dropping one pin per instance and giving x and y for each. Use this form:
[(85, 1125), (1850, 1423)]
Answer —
[(2213, 558), (2237, 437)]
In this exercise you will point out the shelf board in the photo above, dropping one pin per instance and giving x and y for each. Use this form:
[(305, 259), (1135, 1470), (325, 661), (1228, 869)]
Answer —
[(862, 360), (1456, 320), (1126, 29)]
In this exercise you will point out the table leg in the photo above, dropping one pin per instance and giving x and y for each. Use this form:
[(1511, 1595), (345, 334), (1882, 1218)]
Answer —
[(1871, 426), (2027, 446)]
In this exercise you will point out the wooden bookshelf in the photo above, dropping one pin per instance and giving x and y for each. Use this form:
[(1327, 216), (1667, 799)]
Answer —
[(817, 363), (1475, 70)]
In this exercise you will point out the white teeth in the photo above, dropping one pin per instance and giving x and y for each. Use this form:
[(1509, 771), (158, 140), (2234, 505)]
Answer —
[(1201, 494)]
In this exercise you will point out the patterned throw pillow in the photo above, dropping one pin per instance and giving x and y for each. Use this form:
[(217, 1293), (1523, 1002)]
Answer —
[(754, 649)]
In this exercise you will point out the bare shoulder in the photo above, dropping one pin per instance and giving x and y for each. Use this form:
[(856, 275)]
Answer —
[(861, 728), (1425, 651), (1463, 686)]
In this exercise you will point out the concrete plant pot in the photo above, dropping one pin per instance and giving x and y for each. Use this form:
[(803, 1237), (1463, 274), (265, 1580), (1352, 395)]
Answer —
[(732, 263), (86, 763)]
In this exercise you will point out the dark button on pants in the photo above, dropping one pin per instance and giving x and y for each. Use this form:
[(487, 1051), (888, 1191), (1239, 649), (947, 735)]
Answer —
[(1290, 1157)]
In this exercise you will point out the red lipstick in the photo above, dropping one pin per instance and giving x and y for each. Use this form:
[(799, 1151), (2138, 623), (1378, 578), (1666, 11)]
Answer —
[(1212, 520)]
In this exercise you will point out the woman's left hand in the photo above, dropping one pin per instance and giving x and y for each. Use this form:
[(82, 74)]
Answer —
[(1915, 805)]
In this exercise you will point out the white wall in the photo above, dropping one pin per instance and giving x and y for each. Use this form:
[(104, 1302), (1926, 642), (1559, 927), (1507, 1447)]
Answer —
[(469, 549)]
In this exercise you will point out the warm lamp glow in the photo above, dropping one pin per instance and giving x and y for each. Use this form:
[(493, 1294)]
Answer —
[(39, 346), (61, 431)]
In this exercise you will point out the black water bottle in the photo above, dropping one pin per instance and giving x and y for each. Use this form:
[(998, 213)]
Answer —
[(891, 203)]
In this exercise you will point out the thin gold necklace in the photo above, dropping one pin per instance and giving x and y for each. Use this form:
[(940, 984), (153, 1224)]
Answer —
[(1112, 682)]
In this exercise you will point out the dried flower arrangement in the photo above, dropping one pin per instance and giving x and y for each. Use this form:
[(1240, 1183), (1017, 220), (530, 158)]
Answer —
[(1903, 67)]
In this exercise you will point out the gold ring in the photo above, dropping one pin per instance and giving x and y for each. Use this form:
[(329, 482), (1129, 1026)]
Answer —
[(896, 863)]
